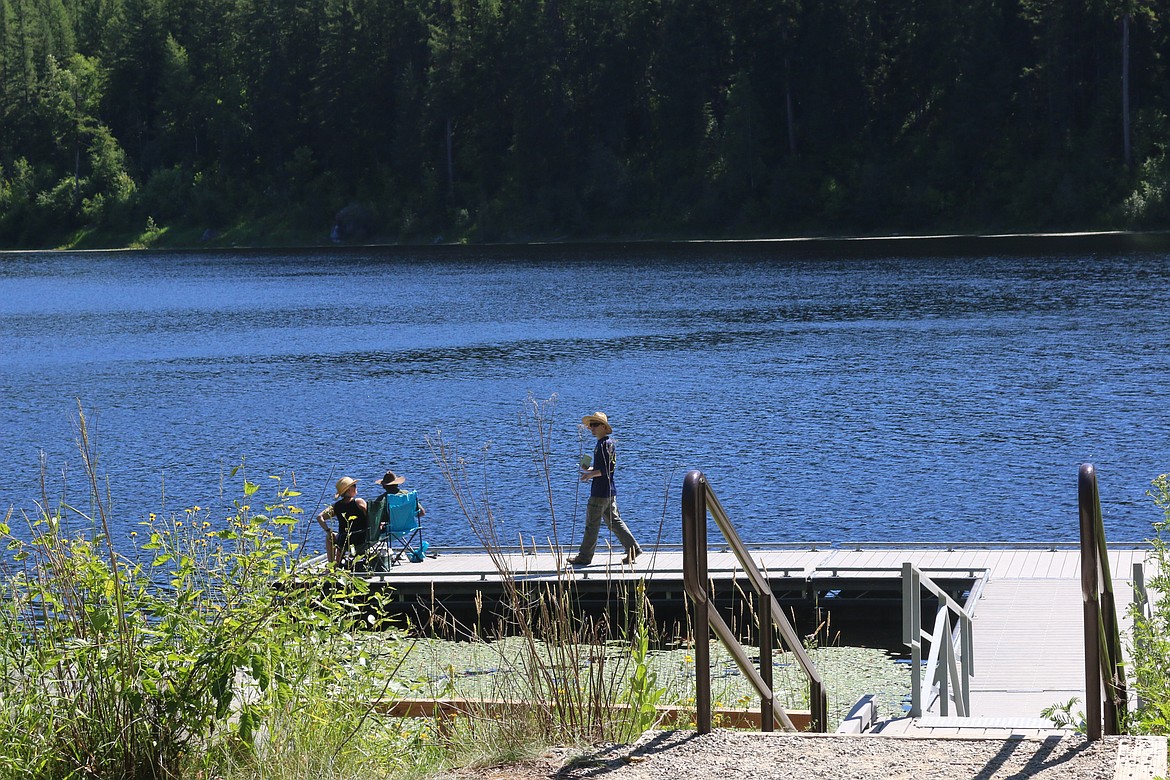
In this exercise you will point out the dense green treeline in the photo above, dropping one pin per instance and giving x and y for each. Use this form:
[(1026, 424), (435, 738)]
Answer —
[(510, 119)]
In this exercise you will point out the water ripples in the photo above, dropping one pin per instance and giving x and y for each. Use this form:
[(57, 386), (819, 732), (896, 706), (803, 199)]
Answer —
[(829, 398)]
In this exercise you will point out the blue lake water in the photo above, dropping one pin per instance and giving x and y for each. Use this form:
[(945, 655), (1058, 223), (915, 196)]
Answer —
[(828, 398)]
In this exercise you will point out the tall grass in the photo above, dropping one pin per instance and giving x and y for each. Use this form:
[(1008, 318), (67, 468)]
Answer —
[(583, 692), (196, 647), (1150, 649)]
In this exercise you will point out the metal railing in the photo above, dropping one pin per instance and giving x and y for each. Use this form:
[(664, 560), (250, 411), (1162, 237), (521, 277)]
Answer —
[(1143, 613), (1103, 661), (949, 669), (697, 500)]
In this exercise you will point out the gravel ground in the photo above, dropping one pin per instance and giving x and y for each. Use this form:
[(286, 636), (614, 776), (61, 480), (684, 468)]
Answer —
[(682, 755), (740, 755)]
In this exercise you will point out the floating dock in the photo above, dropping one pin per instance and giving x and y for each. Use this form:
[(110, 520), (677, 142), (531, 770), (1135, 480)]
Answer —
[(1025, 602)]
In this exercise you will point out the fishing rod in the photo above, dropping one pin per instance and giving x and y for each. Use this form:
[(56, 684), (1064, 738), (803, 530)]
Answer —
[(584, 461), (316, 509)]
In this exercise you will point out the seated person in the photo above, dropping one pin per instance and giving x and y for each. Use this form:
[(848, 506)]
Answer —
[(390, 483), (352, 522), (379, 513)]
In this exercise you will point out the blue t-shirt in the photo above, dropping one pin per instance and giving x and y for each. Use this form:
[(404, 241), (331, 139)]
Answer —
[(604, 460)]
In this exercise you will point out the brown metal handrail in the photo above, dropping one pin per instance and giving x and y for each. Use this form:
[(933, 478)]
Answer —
[(1103, 662), (697, 500)]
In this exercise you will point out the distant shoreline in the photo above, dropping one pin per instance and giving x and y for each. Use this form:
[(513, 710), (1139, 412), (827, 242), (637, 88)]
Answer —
[(895, 244)]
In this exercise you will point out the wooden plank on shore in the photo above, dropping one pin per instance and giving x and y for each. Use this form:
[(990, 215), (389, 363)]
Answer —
[(445, 710)]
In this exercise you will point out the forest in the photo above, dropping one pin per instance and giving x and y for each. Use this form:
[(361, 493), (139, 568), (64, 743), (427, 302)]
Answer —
[(123, 121)]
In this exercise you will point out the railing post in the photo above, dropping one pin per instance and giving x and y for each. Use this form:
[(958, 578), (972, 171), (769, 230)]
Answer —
[(820, 710), (912, 633), (968, 648), (698, 501), (694, 521), (946, 649), (1086, 503), (767, 703), (1112, 674), (1114, 681), (958, 678)]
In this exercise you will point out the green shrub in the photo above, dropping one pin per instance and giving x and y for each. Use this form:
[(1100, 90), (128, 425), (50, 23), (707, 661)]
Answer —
[(1150, 652), (167, 193), (195, 647)]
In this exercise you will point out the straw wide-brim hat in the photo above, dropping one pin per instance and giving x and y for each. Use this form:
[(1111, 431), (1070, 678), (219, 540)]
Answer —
[(597, 417), (391, 479), (344, 484)]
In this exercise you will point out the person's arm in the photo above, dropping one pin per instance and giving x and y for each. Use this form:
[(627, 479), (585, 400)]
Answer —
[(359, 524), (602, 462), (323, 516), (588, 474)]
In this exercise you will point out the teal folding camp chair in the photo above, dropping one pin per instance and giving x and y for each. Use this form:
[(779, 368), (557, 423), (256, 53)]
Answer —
[(403, 530), (375, 554)]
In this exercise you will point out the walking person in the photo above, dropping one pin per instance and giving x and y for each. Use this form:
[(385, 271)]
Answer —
[(602, 495), (350, 512)]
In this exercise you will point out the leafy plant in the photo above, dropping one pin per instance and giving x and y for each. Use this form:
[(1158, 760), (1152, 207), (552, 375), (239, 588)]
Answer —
[(1150, 651), (643, 692), (1061, 714), (190, 647)]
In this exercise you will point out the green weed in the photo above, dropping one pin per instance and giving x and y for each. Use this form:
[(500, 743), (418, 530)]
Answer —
[(1150, 648), (202, 648)]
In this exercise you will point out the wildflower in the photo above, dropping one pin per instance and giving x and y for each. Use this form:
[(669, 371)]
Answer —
[(133, 534), (152, 517)]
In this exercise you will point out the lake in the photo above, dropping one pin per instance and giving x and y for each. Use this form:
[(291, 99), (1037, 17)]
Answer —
[(830, 393)]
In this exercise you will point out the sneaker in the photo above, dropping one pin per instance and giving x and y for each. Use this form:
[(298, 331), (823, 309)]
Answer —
[(632, 555), (576, 561)]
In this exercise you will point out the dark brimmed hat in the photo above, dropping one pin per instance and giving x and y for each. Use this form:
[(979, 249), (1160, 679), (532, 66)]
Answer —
[(391, 479)]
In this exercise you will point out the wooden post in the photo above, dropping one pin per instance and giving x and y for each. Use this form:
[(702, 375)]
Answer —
[(1087, 502), (694, 521)]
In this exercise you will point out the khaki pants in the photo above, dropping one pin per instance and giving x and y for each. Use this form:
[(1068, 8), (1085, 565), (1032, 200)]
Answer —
[(600, 507)]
